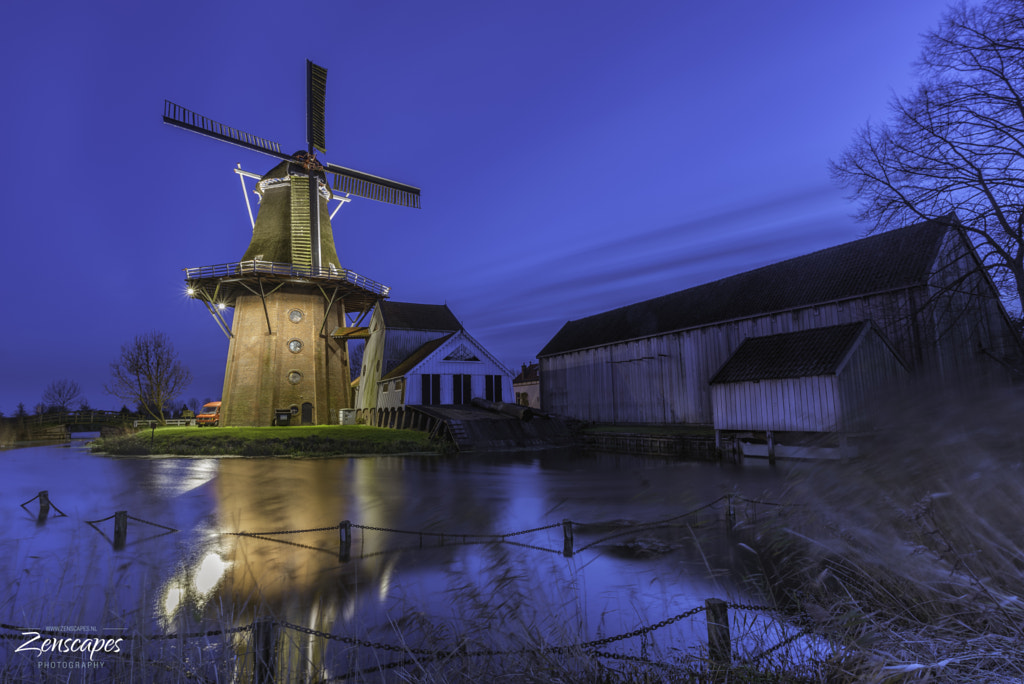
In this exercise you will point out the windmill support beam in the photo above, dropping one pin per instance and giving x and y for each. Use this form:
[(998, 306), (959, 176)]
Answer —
[(342, 201), (263, 298), (330, 305), (358, 321), (242, 175), (212, 308), (262, 294)]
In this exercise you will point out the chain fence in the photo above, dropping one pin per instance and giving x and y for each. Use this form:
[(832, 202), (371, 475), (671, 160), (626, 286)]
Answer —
[(442, 538), (421, 655), (415, 655)]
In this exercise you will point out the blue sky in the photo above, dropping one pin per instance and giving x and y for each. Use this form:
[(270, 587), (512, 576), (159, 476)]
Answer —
[(573, 156)]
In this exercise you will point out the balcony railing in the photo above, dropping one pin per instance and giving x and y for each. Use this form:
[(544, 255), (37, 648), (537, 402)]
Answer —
[(271, 268)]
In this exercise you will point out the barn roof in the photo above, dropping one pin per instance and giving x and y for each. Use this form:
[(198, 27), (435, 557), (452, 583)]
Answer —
[(419, 316), (421, 353), (879, 263), (802, 354)]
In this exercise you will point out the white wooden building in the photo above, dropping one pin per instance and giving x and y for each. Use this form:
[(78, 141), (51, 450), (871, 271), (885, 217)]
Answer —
[(921, 286), (818, 380), (419, 354)]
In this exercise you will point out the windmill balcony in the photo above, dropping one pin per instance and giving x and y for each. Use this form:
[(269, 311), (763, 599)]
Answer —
[(284, 270)]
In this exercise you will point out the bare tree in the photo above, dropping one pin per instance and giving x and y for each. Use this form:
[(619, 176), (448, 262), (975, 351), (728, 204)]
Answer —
[(60, 394), (955, 146), (148, 373)]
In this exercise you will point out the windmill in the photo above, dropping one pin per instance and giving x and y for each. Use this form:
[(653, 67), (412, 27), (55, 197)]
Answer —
[(291, 362)]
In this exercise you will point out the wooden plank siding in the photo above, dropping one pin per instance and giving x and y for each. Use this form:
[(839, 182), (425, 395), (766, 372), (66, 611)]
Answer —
[(870, 374), (949, 327), (789, 404), (622, 383)]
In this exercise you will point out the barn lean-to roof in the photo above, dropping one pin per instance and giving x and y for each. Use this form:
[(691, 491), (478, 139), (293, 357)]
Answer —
[(879, 263), (801, 354)]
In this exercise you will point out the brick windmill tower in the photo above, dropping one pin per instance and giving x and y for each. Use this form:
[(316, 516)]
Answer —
[(292, 300)]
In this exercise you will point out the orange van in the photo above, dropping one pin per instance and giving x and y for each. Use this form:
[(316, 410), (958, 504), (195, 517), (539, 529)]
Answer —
[(209, 414)]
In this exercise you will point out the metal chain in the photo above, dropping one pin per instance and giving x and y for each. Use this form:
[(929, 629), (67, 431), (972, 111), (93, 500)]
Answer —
[(267, 534), (764, 503), (132, 517), (93, 522), (354, 641), (750, 606), (643, 630), (296, 544), (650, 525), (532, 546), (535, 529)]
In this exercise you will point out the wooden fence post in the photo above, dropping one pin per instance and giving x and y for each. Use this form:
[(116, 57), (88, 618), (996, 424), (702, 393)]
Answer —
[(263, 651), (567, 541), (345, 533), (44, 505), (120, 529), (719, 642)]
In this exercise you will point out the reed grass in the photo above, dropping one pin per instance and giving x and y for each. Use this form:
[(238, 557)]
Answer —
[(911, 558)]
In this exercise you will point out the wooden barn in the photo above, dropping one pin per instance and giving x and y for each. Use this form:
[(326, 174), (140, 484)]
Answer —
[(419, 354), (921, 287)]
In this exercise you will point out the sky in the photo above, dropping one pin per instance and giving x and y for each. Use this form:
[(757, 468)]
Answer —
[(573, 156)]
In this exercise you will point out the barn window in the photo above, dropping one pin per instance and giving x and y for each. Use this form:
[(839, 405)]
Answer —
[(462, 388), (492, 387), (431, 388)]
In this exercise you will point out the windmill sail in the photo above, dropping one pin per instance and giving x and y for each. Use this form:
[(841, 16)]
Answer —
[(373, 187), (186, 118), (316, 96)]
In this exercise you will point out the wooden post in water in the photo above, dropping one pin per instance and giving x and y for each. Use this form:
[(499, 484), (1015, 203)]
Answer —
[(771, 448), (345, 533), (719, 641), (730, 513), (44, 505), (567, 542), (263, 651), (120, 529)]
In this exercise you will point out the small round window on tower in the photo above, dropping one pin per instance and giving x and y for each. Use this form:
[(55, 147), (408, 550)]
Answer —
[(294, 346), (295, 377), (295, 316)]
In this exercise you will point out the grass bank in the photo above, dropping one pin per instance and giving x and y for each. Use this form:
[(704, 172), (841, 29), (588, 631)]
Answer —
[(312, 441)]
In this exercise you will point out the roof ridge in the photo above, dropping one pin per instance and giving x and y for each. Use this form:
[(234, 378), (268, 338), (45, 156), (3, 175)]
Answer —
[(875, 263)]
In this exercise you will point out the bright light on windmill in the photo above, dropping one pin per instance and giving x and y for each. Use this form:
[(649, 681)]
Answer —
[(221, 305), (191, 292)]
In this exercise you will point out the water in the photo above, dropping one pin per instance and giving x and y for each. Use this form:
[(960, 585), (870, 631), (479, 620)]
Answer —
[(395, 587)]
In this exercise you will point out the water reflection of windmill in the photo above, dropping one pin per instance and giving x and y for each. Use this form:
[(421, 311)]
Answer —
[(292, 299)]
